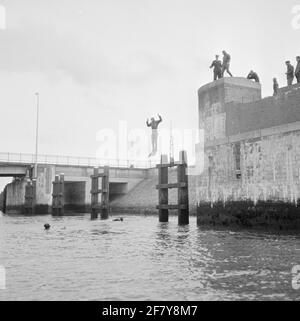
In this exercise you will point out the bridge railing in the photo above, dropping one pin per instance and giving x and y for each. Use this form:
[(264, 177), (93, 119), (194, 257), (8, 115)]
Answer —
[(21, 158)]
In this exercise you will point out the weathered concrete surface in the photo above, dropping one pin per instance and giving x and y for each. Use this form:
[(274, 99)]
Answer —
[(271, 216), (77, 187), (15, 170), (213, 99), (256, 157), (266, 113), (15, 196), (268, 169), (143, 199)]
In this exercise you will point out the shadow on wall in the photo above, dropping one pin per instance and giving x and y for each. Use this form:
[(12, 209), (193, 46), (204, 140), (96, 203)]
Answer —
[(74, 196), (116, 190), (3, 201)]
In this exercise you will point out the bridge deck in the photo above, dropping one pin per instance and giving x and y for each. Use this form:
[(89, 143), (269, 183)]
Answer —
[(29, 159)]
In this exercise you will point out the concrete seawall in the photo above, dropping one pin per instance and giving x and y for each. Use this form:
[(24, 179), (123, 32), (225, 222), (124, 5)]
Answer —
[(251, 174), (273, 216)]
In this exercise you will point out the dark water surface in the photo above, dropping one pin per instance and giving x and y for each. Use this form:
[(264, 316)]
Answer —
[(141, 259)]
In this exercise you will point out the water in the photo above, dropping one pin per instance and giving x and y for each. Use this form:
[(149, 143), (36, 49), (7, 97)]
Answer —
[(141, 259)]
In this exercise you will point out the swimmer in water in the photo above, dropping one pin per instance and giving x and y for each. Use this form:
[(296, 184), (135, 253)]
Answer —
[(120, 219), (47, 226)]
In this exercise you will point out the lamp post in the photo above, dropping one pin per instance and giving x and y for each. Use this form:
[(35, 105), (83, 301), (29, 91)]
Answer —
[(37, 133)]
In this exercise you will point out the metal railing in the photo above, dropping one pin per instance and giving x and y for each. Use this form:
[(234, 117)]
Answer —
[(21, 158)]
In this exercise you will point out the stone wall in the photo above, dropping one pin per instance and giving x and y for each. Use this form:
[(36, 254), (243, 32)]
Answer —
[(265, 113), (259, 169), (255, 163), (213, 99)]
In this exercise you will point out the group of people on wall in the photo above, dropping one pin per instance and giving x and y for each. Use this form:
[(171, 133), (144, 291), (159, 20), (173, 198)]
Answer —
[(219, 68)]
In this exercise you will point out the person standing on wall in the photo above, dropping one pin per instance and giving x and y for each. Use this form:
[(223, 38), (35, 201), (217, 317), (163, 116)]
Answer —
[(217, 65), (154, 125), (290, 74), (297, 71), (275, 87), (226, 63)]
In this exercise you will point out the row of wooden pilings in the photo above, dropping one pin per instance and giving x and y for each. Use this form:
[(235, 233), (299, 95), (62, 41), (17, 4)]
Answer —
[(98, 206), (58, 202), (100, 185)]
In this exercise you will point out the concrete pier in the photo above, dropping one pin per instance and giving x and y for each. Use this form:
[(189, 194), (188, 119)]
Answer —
[(251, 153)]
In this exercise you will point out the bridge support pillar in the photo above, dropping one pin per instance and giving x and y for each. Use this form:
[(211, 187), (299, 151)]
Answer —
[(58, 195)]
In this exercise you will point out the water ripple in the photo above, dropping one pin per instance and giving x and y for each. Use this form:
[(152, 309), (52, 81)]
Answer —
[(141, 259)]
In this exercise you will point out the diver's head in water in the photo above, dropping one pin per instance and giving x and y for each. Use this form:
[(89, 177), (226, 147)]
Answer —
[(47, 226)]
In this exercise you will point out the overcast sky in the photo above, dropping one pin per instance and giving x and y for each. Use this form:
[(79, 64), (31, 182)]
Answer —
[(96, 62)]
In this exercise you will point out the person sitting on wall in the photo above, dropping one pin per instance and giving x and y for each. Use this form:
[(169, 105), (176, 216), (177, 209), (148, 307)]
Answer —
[(217, 65), (253, 76), (290, 73), (297, 71), (275, 87)]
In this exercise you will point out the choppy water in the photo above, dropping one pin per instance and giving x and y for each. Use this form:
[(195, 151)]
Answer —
[(141, 259)]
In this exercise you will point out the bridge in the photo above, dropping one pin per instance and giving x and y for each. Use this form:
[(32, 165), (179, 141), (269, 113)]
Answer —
[(14, 164), (124, 176)]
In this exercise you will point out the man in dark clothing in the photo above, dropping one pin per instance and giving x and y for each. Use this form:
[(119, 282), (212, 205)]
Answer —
[(253, 75), (297, 71), (290, 73), (226, 63), (217, 65), (154, 125), (275, 87)]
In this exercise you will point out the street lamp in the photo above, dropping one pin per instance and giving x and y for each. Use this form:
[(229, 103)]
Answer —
[(37, 133)]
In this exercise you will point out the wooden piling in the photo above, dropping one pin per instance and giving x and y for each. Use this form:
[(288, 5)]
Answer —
[(94, 194), (58, 195), (103, 206), (30, 197), (163, 173), (54, 195), (105, 194), (61, 194), (183, 194), (181, 185)]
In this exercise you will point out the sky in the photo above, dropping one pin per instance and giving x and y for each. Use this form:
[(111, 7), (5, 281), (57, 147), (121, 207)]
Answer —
[(98, 62)]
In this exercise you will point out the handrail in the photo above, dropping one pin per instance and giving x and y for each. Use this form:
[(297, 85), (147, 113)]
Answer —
[(23, 158)]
